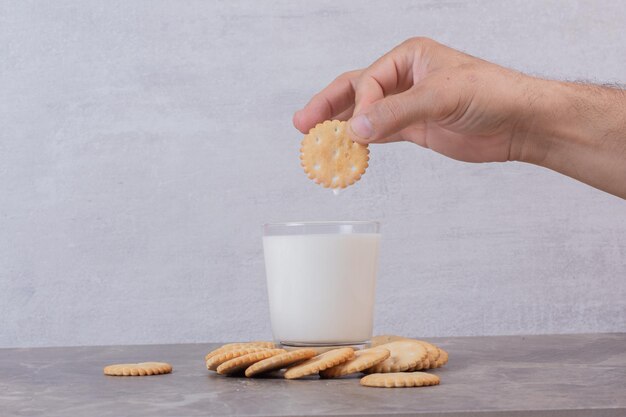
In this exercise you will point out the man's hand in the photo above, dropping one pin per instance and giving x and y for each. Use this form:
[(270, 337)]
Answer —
[(429, 94), (476, 111)]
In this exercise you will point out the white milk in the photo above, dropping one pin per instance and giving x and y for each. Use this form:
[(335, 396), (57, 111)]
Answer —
[(321, 286)]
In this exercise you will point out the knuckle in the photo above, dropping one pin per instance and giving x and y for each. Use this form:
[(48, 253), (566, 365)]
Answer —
[(360, 84), (418, 42), (348, 75), (416, 46), (391, 111), (319, 96)]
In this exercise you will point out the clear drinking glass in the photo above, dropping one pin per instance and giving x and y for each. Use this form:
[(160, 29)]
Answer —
[(321, 280)]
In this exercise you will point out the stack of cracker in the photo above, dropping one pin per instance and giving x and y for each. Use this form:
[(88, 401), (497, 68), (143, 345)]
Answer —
[(390, 362)]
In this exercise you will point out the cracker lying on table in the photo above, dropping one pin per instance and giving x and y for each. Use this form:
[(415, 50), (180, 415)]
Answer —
[(441, 360), (280, 361), (320, 362), (405, 355), (433, 354), (330, 158), (240, 363), (239, 345), (138, 369), (400, 380), (435, 358), (386, 338), (213, 362), (363, 359)]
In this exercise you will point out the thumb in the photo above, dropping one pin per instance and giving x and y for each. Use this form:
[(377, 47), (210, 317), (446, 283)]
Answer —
[(390, 115)]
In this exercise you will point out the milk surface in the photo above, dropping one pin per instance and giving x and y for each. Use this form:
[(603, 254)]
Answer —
[(321, 287)]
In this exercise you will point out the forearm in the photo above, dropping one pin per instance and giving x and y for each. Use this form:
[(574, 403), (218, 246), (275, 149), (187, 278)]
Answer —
[(578, 130)]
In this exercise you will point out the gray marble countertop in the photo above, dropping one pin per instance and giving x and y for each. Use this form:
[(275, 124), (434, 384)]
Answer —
[(558, 375)]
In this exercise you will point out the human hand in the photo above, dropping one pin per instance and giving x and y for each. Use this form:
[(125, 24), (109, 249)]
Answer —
[(476, 111), (432, 95)]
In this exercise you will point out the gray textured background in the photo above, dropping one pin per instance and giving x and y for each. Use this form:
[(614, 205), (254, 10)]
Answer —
[(143, 143)]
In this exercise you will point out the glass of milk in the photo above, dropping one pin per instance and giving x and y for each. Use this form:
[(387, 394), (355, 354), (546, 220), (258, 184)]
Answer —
[(321, 279)]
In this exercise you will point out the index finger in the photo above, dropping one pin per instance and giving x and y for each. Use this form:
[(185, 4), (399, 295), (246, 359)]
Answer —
[(389, 74), (401, 68), (333, 100)]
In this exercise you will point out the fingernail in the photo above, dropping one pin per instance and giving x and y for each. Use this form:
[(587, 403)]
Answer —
[(361, 126)]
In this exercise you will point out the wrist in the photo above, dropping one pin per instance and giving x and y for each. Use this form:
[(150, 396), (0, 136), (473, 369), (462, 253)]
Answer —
[(558, 118), (541, 110), (576, 129)]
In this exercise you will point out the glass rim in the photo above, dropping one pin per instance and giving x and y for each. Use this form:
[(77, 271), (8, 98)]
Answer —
[(321, 223), (321, 227)]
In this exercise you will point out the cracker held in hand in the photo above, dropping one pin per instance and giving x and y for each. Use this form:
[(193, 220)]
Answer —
[(280, 361), (400, 380), (138, 369), (213, 362), (363, 359), (320, 362), (405, 355), (238, 364), (330, 158), (239, 345)]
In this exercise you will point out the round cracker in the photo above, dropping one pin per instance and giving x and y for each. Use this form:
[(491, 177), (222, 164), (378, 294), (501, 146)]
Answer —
[(240, 363), (239, 345), (256, 343), (280, 361), (433, 355), (400, 380), (330, 158), (363, 359), (441, 360), (405, 354), (138, 369), (385, 338), (213, 362), (320, 362)]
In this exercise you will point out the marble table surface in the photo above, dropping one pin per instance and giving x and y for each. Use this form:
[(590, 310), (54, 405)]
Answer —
[(556, 375)]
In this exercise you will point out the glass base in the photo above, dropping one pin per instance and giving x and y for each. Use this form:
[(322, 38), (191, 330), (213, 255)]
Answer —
[(323, 347)]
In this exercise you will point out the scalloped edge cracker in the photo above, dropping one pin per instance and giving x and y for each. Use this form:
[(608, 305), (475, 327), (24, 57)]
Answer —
[(330, 158)]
